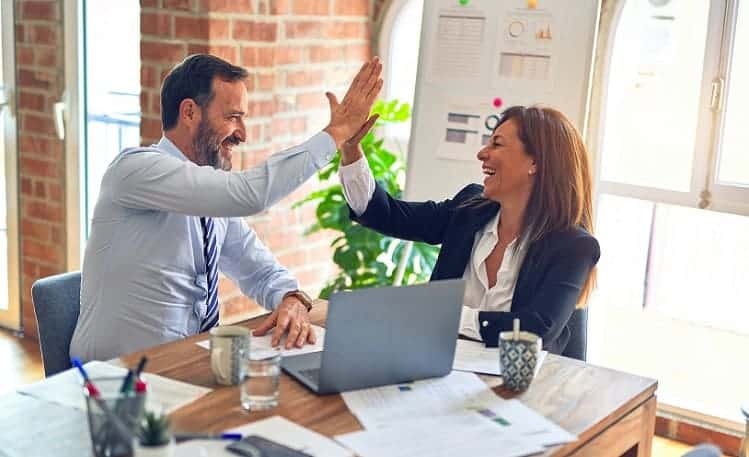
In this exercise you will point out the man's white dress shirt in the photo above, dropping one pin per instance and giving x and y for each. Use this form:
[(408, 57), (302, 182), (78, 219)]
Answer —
[(144, 275), (358, 188)]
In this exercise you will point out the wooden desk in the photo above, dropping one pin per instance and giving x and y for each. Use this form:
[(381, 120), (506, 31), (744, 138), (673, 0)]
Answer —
[(612, 413)]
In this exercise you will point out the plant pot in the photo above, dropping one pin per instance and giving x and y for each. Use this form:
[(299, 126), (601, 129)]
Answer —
[(165, 450)]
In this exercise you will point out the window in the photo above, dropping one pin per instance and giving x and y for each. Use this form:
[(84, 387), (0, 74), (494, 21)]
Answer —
[(399, 49), (10, 312), (674, 277)]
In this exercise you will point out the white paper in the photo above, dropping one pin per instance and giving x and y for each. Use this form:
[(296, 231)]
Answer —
[(458, 42), (461, 434), (260, 347), (164, 395), (274, 428), (463, 130), (455, 393), (475, 357)]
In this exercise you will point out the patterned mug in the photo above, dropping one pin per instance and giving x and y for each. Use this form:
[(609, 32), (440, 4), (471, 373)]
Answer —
[(228, 342), (518, 358)]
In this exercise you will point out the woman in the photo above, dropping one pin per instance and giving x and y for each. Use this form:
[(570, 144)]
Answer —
[(523, 241)]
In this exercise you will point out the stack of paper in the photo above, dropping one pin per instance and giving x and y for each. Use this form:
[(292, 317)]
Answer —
[(164, 395), (446, 416), (260, 347), (474, 356)]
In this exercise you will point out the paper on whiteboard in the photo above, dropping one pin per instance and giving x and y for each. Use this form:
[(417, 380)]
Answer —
[(463, 128), (458, 43)]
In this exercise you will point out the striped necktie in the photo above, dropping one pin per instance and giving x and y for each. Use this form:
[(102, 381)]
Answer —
[(211, 268)]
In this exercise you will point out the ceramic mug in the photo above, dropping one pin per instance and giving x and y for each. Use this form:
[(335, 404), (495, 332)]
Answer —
[(228, 342), (518, 358)]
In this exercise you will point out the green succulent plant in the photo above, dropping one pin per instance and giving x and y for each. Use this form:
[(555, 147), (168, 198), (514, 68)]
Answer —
[(154, 429), (366, 258)]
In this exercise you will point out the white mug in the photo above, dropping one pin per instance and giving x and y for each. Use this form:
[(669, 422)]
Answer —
[(228, 342)]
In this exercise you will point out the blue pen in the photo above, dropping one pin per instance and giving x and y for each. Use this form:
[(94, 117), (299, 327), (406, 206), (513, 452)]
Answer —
[(179, 437), (92, 390)]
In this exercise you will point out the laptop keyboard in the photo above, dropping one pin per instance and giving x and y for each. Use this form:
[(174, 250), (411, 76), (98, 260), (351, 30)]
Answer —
[(313, 375)]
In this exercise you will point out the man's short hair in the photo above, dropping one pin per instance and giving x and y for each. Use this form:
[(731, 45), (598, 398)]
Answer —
[(193, 78)]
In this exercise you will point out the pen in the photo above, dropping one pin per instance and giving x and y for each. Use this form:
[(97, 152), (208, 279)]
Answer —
[(90, 387), (179, 437), (127, 382), (141, 365), (140, 385)]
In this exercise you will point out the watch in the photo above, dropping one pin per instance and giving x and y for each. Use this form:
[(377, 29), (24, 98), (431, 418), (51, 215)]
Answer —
[(302, 297)]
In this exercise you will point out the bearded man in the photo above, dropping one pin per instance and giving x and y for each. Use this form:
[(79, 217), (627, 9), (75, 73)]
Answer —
[(169, 217)]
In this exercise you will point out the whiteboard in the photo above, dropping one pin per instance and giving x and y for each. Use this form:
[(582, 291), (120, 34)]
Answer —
[(478, 57)]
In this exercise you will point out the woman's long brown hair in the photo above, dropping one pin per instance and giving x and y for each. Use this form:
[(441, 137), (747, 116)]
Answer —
[(562, 195)]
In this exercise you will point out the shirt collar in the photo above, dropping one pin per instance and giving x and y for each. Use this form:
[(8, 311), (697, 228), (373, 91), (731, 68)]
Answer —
[(491, 226), (166, 145)]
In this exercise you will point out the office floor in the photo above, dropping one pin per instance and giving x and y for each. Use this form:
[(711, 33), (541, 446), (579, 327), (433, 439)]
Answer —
[(22, 364)]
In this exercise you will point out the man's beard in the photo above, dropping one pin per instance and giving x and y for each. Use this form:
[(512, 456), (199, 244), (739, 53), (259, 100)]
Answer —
[(207, 147)]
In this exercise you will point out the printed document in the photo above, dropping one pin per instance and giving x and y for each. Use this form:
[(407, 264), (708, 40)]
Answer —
[(260, 347)]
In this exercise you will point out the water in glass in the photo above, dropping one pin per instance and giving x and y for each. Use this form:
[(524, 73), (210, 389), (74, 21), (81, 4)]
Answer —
[(260, 386)]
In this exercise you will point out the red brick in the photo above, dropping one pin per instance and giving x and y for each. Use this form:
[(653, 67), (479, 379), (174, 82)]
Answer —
[(288, 55), (43, 211), (228, 53), (156, 24), (255, 31), (325, 53), (149, 3), (162, 53), (357, 52), (184, 5), (38, 124), (148, 77), (55, 192), (283, 127), (150, 128), (32, 144), (40, 190), (43, 34), (33, 79), (351, 8), (304, 29), (261, 108), (346, 30), (226, 6), (20, 34), (145, 104), (26, 186), (311, 7), (30, 268), (311, 101), (36, 230), (304, 78), (156, 104), (46, 11), (47, 56), (24, 55), (42, 251), (42, 168), (279, 7), (266, 82), (30, 100), (254, 57), (201, 28), (45, 271)]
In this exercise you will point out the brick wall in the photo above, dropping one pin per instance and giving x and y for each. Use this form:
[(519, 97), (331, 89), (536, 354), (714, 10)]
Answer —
[(294, 51), (40, 83)]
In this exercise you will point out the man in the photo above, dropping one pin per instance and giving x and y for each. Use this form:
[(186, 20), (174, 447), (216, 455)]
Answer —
[(169, 217)]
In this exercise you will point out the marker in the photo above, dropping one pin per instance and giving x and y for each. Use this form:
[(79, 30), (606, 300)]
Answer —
[(92, 390), (179, 437)]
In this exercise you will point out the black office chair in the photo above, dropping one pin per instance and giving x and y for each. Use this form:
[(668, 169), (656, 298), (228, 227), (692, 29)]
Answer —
[(577, 346), (57, 302)]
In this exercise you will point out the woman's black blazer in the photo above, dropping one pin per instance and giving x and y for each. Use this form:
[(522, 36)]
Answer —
[(551, 276)]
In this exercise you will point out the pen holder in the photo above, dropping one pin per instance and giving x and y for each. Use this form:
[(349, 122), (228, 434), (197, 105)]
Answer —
[(113, 417)]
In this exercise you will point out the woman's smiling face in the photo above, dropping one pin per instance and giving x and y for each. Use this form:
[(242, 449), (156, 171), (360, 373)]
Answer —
[(508, 168)]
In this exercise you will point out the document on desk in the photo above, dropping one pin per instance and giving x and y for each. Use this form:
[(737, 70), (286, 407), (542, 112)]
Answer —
[(260, 347), (457, 392), (65, 388), (274, 428), (459, 434), (475, 357)]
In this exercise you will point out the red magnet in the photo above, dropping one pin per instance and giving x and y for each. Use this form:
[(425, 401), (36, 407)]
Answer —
[(497, 102)]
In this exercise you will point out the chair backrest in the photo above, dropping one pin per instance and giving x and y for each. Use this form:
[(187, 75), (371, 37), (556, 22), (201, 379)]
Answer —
[(57, 302), (577, 346)]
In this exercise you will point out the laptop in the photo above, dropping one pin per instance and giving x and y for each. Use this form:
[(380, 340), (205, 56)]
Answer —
[(382, 336)]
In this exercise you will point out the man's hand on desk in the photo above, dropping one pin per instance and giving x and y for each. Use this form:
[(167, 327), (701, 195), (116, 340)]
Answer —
[(290, 316)]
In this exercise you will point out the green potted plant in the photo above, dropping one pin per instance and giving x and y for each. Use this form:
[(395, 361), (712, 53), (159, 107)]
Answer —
[(366, 258), (154, 438)]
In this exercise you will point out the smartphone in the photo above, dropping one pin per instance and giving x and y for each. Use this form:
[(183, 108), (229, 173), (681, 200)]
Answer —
[(257, 446)]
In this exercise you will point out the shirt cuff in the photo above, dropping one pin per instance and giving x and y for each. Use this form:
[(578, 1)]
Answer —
[(323, 149), (358, 184), (469, 323)]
